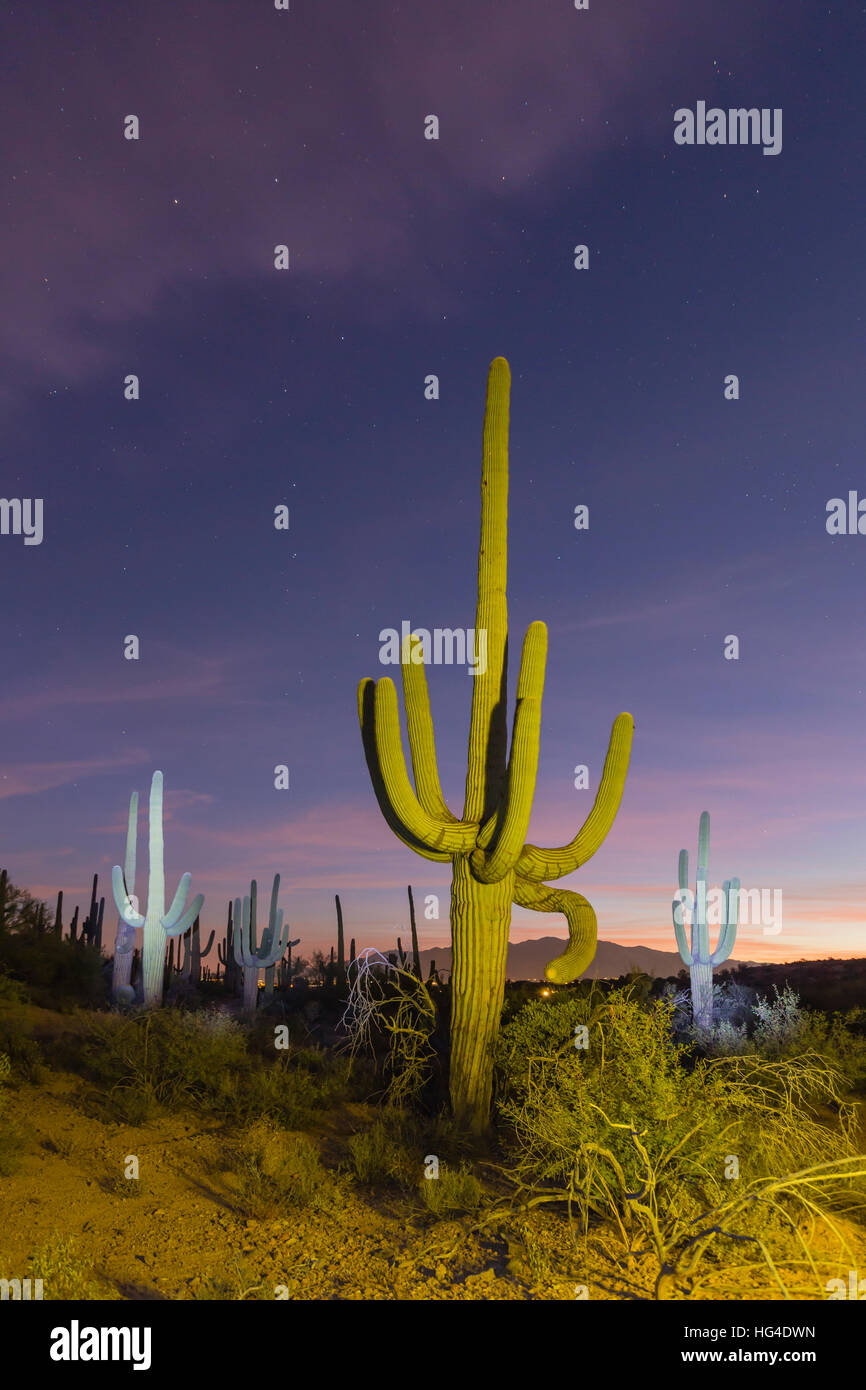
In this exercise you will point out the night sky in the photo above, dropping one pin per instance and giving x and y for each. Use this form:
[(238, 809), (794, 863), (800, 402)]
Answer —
[(305, 387)]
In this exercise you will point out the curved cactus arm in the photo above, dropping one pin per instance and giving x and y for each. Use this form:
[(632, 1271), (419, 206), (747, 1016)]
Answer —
[(367, 720), (176, 910), (450, 837), (507, 828), (582, 926), (422, 741), (185, 921), (728, 933), (679, 905), (537, 864), (123, 901), (205, 950)]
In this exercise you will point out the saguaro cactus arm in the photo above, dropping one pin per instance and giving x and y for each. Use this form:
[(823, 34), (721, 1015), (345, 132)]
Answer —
[(538, 864), (422, 741), (436, 832), (582, 926), (122, 900), (367, 719), (728, 933), (176, 921), (505, 831), (680, 908)]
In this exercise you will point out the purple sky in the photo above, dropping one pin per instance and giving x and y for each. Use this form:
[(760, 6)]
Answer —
[(411, 257)]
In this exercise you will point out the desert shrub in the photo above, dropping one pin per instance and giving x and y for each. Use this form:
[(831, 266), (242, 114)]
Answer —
[(12, 991), (776, 1026), (293, 1085), (841, 1038), (58, 973), (376, 1158), (778, 1021), (633, 1129), (172, 1059), (65, 1274), (26, 1062), (146, 1061), (13, 1140), (280, 1170), (455, 1192), (394, 1017), (387, 1152)]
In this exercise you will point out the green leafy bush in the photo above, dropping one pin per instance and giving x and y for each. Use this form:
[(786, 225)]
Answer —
[(633, 1129)]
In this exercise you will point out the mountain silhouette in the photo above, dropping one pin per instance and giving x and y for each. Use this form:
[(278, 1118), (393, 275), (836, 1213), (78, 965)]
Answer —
[(526, 959)]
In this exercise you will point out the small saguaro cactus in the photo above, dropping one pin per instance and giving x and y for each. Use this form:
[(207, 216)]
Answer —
[(73, 926), (273, 943), (4, 879), (700, 959), (493, 866), (157, 923), (58, 915)]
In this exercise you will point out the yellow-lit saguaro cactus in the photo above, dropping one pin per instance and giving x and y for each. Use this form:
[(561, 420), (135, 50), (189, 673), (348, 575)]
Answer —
[(493, 866)]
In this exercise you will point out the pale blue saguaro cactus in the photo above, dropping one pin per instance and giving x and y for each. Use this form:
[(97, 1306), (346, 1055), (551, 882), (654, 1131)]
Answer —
[(700, 959), (273, 943), (157, 923), (124, 941)]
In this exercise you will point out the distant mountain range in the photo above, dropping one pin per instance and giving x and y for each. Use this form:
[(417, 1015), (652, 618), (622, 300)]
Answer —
[(526, 959)]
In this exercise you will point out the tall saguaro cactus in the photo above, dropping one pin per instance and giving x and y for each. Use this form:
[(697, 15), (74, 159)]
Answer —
[(157, 923), (493, 866), (700, 959)]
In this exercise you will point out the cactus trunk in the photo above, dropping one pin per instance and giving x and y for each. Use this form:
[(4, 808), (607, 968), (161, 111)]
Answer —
[(702, 993), (480, 918)]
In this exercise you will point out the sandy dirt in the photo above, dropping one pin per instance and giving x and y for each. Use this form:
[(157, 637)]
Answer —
[(181, 1230)]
